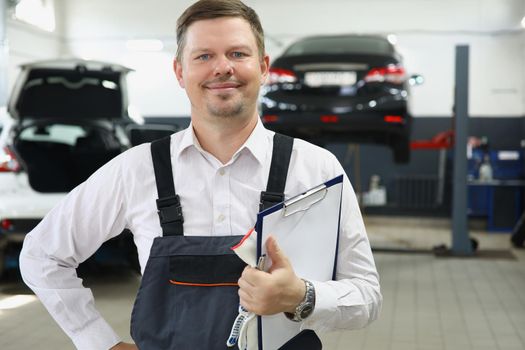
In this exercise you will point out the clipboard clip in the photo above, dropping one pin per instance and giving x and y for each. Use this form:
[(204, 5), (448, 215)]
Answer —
[(304, 201)]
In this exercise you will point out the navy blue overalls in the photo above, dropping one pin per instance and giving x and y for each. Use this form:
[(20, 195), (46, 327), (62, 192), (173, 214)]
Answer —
[(188, 295)]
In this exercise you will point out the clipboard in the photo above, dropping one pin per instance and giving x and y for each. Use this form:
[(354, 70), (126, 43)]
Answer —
[(306, 228)]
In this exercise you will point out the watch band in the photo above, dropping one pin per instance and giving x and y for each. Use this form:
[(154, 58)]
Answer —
[(306, 306)]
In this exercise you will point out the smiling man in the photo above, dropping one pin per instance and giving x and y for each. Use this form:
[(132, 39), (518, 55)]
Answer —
[(189, 198), (221, 67)]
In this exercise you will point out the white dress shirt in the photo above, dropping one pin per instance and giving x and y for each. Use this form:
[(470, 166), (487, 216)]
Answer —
[(217, 199)]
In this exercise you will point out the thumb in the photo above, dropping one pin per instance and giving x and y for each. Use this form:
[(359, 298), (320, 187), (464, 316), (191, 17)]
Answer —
[(279, 260)]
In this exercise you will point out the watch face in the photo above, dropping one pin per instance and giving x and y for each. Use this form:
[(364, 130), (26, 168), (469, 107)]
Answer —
[(306, 311)]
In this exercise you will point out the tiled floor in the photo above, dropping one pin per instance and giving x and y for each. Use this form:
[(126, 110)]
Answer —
[(429, 303)]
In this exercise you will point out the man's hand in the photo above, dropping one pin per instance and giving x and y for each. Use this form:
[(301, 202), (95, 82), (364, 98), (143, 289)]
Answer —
[(124, 346), (278, 290)]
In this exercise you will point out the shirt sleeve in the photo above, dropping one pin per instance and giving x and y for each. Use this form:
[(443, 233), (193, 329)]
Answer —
[(72, 231), (354, 299)]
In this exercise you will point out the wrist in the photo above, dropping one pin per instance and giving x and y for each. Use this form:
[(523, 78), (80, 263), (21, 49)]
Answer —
[(306, 306), (299, 293)]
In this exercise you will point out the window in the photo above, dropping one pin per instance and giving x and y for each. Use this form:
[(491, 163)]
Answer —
[(340, 45), (57, 133), (40, 13)]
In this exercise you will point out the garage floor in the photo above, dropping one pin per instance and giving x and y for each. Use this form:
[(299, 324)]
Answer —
[(429, 303)]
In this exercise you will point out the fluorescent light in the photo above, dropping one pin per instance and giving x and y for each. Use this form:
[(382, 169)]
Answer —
[(16, 301), (37, 13), (144, 45), (523, 22)]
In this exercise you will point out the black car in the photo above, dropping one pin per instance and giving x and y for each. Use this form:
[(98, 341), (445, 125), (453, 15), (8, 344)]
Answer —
[(341, 88)]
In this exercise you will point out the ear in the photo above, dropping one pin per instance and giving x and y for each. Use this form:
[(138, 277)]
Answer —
[(177, 68), (265, 67)]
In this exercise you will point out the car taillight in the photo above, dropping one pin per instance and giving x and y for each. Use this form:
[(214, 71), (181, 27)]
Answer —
[(279, 76), (329, 119), (6, 225), (395, 119), (8, 161), (270, 118), (392, 73)]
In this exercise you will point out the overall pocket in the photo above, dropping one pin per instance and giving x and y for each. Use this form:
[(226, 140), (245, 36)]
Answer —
[(188, 295), (205, 291), (206, 270)]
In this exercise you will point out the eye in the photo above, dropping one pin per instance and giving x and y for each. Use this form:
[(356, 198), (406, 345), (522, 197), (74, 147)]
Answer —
[(204, 57), (238, 54)]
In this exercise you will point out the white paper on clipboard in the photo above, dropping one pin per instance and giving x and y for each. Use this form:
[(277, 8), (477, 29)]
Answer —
[(306, 228)]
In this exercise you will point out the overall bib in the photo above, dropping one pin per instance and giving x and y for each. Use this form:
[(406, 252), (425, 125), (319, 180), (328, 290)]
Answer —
[(188, 295)]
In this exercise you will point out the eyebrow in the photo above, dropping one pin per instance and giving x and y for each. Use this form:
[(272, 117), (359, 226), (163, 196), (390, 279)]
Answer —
[(232, 48), (241, 47)]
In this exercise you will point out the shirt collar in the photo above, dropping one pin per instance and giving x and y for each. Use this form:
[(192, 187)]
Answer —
[(189, 139), (256, 144)]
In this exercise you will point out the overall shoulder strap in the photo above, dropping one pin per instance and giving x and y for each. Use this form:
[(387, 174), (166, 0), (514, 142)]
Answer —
[(168, 203), (281, 154)]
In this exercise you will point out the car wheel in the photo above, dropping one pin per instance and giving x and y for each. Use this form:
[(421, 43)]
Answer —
[(401, 150)]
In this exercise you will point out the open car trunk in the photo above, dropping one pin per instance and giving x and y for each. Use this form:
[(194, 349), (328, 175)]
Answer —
[(58, 157)]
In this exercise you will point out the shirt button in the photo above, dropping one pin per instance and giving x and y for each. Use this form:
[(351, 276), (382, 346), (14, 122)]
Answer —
[(220, 218), (222, 172)]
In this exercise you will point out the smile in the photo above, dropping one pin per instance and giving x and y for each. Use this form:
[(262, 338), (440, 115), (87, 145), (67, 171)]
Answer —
[(223, 86)]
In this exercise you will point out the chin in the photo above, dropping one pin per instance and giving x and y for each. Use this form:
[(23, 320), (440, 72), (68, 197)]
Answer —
[(230, 111)]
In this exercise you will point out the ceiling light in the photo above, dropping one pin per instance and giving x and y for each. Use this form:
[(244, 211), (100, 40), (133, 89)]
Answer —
[(36, 12), (523, 22)]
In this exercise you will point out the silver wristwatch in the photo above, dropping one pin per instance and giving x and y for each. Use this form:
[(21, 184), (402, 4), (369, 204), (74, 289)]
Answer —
[(306, 306)]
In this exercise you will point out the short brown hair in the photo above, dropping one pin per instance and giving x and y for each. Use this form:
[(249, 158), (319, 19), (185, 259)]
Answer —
[(210, 9)]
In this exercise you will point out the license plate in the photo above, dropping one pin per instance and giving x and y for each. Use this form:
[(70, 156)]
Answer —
[(316, 79)]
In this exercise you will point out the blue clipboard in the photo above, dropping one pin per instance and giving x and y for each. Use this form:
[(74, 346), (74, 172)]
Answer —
[(306, 228)]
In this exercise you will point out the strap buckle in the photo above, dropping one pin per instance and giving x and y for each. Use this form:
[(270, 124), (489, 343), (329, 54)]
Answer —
[(270, 198), (170, 210)]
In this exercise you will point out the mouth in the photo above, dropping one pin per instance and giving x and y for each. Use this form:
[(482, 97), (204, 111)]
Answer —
[(222, 87)]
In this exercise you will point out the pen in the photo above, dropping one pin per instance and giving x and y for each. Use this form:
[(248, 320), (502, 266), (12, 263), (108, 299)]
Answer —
[(261, 262)]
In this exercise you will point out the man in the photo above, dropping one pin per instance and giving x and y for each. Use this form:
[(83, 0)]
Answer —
[(218, 166)]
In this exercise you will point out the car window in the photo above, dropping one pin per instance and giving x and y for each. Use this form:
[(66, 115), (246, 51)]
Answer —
[(340, 45), (58, 133)]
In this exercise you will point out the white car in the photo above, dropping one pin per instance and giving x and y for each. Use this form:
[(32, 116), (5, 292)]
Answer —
[(65, 119)]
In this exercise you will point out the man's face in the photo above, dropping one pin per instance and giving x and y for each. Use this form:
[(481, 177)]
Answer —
[(221, 68)]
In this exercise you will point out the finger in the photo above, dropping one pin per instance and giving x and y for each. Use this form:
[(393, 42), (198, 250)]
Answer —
[(243, 295), (252, 275), (245, 286), (245, 299), (275, 253)]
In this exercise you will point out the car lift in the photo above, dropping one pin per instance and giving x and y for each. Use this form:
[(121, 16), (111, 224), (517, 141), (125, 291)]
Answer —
[(442, 142), (456, 139), (462, 244)]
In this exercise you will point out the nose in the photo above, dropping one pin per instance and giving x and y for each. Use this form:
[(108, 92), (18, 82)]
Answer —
[(223, 67)]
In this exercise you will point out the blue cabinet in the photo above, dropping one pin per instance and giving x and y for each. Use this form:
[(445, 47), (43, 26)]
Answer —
[(500, 200)]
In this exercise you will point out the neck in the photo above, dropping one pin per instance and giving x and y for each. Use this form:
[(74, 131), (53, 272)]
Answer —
[(224, 138)]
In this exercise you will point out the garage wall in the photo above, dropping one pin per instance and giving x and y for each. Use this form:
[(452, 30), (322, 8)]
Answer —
[(28, 43), (427, 32)]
